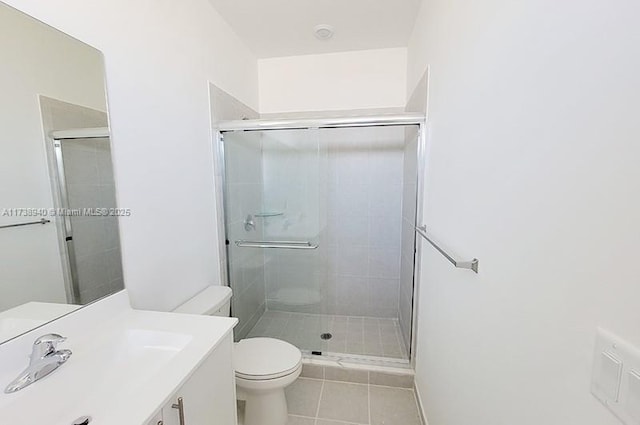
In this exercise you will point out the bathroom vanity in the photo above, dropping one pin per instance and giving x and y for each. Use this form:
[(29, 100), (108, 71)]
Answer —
[(207, 397), (128, 367)]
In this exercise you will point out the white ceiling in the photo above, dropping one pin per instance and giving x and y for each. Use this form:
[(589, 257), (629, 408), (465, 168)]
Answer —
[(273, 28)]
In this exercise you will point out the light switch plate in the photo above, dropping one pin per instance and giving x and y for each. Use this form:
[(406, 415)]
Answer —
[(632, 401), (607, 377), (615, 379)]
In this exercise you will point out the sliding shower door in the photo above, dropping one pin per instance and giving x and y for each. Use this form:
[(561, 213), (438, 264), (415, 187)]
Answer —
[(275, 204), (320, 237), (367, 286)]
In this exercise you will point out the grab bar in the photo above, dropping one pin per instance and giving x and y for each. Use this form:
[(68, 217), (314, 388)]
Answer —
[(471, 265), (41, 221), (276, 244)]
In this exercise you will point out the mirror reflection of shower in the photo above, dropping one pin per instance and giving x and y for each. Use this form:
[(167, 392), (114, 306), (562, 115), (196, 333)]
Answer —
[(84, 188), (92, 241), (319, 224)]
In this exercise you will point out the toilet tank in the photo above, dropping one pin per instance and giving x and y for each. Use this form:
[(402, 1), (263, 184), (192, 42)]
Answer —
[(215, 300)]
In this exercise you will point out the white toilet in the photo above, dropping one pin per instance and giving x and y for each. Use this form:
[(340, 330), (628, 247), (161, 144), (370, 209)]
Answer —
[(264, 366)]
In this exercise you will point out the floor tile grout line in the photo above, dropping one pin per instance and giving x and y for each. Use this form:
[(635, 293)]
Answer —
[(358, 383), (319, 400), (369, 421), (380, 337), (363, 341), (338, 382), (333, 420), (317, 418), (388, 386), (369, 402), (342, 422)]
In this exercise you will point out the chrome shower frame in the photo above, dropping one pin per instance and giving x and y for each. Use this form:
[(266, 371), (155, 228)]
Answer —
[(403, 120)]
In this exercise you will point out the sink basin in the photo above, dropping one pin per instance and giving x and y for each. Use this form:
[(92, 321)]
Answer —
[(131, 352), (119, 372)]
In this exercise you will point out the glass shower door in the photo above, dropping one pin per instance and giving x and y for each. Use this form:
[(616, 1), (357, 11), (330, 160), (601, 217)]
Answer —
[(275, 202)]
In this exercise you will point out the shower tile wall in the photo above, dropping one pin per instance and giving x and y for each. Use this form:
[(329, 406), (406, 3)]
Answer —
[(364, 220), (244, 197)]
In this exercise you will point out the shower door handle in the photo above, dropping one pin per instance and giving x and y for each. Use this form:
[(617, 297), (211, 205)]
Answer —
[(276, 244)]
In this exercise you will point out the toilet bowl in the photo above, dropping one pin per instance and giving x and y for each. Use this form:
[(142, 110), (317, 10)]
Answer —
[(264, 367)]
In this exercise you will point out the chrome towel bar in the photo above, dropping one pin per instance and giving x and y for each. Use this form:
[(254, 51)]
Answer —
[(276, 244), (471, 265), (41, 221)]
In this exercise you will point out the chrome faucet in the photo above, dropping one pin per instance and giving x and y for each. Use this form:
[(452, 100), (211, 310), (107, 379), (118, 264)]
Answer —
[(45, 358)]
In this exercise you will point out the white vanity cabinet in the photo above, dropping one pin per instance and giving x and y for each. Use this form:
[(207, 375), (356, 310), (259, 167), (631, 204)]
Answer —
[(128, 368), (209, 396)]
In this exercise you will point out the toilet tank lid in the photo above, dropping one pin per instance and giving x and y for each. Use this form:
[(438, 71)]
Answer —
[(206, 302)]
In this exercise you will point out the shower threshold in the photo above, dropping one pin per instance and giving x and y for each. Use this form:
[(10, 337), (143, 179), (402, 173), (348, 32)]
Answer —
[(355, 361)]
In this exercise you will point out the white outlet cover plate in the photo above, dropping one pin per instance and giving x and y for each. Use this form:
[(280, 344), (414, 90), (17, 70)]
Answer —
[(616, 368)]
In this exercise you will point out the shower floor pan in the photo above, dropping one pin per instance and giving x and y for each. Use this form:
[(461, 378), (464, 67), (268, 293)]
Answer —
[(369, 337)]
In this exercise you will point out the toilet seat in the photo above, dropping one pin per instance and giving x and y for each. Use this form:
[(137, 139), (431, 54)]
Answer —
[(260, 359)]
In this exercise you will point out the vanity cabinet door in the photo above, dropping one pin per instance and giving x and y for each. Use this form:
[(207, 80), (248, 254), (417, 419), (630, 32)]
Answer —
[(209, 396)]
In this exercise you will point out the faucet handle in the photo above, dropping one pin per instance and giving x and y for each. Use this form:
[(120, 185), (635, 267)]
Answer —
[(45, 345)]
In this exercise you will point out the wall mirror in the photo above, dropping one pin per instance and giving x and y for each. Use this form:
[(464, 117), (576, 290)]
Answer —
[(59, 243)]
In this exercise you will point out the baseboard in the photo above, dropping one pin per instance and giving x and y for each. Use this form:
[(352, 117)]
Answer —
[(423, 415)]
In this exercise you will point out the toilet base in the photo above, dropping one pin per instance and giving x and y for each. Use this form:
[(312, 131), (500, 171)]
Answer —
[(265, 402), (266, 408)]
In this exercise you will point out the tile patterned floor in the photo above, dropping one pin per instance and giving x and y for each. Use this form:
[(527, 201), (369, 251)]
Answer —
[(324, 402), (350, 335), (332, 395)]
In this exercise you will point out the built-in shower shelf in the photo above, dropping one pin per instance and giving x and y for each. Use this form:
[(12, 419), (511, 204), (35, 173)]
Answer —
[(269, 214)]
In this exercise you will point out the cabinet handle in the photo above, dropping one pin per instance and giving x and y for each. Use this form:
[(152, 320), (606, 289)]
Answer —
[(180, 407)]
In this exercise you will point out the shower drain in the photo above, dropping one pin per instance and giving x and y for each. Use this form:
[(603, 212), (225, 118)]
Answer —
[(326, 336)]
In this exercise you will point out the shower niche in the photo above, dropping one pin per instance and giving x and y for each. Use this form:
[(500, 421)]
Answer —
[(320, 239)]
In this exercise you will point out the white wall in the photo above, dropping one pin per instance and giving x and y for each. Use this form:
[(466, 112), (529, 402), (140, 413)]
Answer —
[(35, 60), (365, 79), (533, 169), (159, 58)]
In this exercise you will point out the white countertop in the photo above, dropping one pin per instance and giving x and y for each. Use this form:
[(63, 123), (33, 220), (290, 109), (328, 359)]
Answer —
[(126, 365)]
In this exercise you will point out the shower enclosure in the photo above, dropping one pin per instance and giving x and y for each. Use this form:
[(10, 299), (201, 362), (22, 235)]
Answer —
[(319, 222)]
